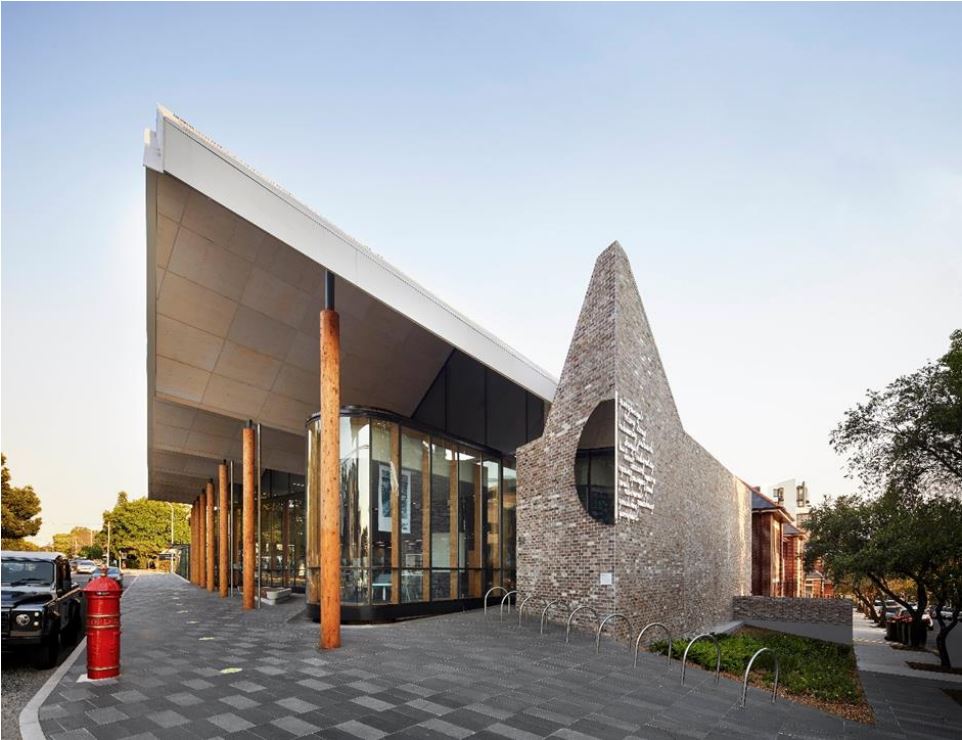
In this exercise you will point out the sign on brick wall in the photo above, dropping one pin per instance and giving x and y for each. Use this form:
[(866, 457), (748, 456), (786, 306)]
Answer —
[(636, 467)]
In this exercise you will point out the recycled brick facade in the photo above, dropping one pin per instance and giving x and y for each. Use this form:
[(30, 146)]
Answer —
[(814, 611), (680, 545)]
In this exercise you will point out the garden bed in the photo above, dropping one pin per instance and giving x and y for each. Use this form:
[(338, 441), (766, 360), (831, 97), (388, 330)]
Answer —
[(821, 674)]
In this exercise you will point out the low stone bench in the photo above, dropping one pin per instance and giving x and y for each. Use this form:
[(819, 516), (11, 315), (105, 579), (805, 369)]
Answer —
[(276, 595)]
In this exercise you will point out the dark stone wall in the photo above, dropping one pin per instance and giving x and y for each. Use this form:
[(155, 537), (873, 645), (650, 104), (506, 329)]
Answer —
[(680, 548)]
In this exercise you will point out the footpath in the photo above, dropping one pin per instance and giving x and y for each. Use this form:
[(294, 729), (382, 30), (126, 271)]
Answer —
[(197, 666)]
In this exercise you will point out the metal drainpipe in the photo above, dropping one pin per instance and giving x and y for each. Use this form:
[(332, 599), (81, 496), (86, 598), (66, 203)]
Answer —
[(230, 527), (260, 540)]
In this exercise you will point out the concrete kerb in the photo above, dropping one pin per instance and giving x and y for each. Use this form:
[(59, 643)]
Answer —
[(30, 714)]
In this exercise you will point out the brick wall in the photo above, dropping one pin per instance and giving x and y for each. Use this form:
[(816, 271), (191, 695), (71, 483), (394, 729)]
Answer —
[(814, 611), (680, 545), (794, 582)]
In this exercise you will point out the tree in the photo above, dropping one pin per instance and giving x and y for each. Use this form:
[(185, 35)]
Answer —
[(71, 543), (63, 543), (946, 583), (889, 538), (21, 545), (864, 591), (92, 552), (910, 433), (140, 529), (21, 507)]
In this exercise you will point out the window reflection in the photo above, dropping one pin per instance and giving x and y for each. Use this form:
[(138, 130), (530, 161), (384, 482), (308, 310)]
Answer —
[(595, 481), (422, 517)]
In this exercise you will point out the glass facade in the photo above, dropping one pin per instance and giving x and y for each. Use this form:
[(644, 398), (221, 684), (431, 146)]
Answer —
[(424, 518), (281, 548)]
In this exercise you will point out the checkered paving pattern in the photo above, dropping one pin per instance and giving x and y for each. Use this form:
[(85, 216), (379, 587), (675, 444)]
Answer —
[(196, 666)]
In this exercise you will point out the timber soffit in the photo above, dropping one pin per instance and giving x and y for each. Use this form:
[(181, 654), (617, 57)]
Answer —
[(539, 381)]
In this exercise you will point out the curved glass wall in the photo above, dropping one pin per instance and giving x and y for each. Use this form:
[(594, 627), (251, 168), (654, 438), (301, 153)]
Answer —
[(424, 517)]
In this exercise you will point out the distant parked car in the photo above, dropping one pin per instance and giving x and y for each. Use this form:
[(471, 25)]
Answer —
[(86, 567), (934, 615), (116, 574)]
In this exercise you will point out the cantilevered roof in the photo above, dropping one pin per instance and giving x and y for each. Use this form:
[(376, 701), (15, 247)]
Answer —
[(178, 149)]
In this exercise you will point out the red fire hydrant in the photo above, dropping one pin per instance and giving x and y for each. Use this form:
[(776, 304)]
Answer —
[(103, 627)]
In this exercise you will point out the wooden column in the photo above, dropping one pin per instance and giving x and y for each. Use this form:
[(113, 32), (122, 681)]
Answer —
[(202, 542), (330, 475), (209, 535), (191, 576), (249, 515), (223, 512)]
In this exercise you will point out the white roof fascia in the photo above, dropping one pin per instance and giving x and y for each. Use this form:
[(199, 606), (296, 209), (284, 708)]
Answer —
[(177, 148)]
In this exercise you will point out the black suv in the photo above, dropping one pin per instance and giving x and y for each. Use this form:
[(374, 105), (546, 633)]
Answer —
[(41, 605)]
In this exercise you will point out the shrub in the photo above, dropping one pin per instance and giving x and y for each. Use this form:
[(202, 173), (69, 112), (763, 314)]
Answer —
[(814, 668)]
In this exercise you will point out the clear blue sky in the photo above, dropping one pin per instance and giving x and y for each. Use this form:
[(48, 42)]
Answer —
[(787, 181)]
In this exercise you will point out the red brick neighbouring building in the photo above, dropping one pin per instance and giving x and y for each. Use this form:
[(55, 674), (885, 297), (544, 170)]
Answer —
[(778, 549)]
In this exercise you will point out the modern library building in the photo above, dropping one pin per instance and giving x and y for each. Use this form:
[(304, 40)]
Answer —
[(340, 431), (432, 407)]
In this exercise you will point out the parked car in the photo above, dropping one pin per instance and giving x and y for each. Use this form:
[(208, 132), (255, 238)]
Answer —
[(86, 567), (41, 606), (116, 574)]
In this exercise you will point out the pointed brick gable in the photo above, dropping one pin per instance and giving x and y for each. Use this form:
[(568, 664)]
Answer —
[(680, 544)]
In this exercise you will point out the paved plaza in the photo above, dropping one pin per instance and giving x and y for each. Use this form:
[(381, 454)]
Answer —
[(196, 666)]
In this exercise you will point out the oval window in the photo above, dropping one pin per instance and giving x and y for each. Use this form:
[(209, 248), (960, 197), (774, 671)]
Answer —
[(595, 464)]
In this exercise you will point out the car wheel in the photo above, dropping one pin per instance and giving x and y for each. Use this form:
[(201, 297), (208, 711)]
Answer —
[(48, 652)]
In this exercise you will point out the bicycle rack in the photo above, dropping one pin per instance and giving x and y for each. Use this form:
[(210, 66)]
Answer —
[(572, 616), (631, 628), (521, 608), (544, 612), (749, 668), (717, 652), (643, 631), (493, 588), (506, 597)]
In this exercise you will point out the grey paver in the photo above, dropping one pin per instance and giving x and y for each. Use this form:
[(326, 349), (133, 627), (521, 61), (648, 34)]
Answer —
[(129, 696), (371, 702), (454, 676), (446, 728), (230, 722), (185, 699), (106, 715), (295, 726), (167, 718), (238, 701)]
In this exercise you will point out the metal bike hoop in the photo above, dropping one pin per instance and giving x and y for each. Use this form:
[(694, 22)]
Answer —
[(493, 588), (616, 615), (521, 608), (641, 634), (506, 597), (544, 612), (572, 616), (717, 653), (749, 668)]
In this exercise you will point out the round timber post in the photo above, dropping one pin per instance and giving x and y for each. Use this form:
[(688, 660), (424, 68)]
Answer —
[(330, 472)]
